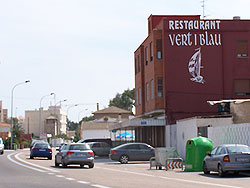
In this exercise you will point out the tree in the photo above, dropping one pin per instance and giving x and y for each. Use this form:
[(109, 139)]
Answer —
[(125, 100), (71, 126), (77, 134)]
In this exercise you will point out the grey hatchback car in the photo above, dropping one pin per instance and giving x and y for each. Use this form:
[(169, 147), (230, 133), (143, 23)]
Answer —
[(227, 158), (132, 152), (100, 148), (75, 153)]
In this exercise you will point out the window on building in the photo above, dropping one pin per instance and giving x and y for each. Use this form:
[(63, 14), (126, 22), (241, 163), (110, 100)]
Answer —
[(139, 64), (202, 131), (136, 66), (152, 89), (146, 55), (147, 91), (242, 48), (151, 51), (159, 49), (242, 87), (139, 95), (159, 87)]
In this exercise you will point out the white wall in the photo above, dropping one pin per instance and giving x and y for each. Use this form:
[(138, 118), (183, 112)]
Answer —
[(230, 134), (171, 136), (186, 129), (88, 134)]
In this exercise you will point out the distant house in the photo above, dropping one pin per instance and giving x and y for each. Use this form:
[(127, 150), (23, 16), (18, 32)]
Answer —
[(42, 122), (99, 128), (5, 130)]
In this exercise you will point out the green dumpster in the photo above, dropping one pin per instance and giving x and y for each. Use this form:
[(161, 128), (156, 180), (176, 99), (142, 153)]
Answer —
[(196, 149)]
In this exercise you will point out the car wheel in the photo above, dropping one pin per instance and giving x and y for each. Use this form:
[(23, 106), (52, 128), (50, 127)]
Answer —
[(31, 157), (236, 172), (124, 159), (56, 164), (2, 152), (91, 165), (64, 164), (221, 172), (205, 169), (49, 158), (81, 165)]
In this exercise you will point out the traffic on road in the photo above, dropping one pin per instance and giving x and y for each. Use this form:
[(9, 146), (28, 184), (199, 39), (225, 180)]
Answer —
[(106, 173)]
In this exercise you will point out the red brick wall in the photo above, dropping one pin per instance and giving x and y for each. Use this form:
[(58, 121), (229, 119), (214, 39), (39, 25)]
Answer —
[(220, 66)]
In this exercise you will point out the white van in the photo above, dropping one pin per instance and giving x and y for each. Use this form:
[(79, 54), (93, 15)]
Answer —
[(1, 146)]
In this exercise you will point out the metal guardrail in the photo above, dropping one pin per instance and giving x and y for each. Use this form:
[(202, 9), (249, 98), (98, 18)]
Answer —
[(173, 163)]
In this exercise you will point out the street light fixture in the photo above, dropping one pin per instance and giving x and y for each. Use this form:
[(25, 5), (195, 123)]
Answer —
[(55, 112), (12, 93), (71, 107), (68, 112), (80, 113), (40, 111)]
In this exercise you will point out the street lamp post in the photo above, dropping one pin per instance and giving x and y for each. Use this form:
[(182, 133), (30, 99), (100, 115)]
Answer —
[(12, 93), (71, 107), (40, 127), (55, 113), (80, 113), (68, 112)]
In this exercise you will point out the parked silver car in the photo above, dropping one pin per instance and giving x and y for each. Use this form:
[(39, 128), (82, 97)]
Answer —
[(1, 146), (75, 153), (227, 158), (132, 152)]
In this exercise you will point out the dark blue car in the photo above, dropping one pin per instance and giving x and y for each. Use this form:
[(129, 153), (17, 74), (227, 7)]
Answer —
[(41, 149)]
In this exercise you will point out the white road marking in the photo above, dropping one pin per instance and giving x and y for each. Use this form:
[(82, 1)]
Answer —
[(50, 173), (59, 176), (83, 182), (42, 167), (174, 179), (100, 186), (71, 179), (9, 157)]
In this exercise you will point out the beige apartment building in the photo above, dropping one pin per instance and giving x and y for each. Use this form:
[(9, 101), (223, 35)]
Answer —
[(3, 113), (43, 122)]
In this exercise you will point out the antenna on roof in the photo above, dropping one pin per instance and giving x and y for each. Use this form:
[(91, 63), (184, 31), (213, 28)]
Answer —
[(203, 8)]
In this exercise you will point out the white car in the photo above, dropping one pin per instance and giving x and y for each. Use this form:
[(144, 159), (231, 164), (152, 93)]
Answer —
[(1, 146)]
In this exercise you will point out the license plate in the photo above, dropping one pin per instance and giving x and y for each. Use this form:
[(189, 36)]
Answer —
[(42, 149), (246, 160), (81, 154)]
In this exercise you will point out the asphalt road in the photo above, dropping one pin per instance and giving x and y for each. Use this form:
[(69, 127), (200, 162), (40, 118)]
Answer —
[(17, 170)]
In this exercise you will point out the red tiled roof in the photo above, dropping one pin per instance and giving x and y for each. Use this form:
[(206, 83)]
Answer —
[(2, 124), (112, 110)]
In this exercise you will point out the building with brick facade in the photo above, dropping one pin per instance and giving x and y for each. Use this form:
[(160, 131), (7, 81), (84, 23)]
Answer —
[(183, 63)]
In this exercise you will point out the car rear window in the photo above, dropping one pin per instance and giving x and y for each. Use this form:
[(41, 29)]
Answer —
[(79, 147), (41, 145), (238, 149)]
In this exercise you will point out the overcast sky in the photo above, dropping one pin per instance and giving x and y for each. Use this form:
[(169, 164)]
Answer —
[(81, 50)]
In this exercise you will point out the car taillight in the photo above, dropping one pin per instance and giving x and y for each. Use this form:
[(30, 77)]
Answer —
[(50, 149), (226, 159), (113, 152), (69, 153), (34, 149), (91, 153)]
